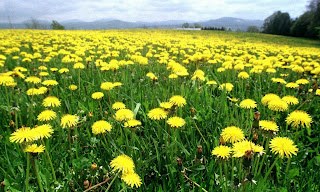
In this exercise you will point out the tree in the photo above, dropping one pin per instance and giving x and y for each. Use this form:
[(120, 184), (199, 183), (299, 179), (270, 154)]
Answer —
[(300, 25), (197, 25), (33, 25), (278, 23), (56, 25), (253, 29), (185, 25)]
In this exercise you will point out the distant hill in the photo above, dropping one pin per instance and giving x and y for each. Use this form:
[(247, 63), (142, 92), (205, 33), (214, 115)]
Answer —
[(110, 23)]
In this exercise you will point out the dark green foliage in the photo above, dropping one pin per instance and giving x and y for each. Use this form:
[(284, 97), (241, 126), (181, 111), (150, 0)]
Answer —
[(278, 23), (300, 25), (56, 25), (253, 29)]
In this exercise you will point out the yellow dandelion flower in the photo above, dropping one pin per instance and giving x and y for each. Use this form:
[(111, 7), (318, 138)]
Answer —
[(78, 66), (166, 105), (240, 148), (43, 74), (278, 105), (53, 69), (101, 127), (118, 105), (43, 131), (176, 122), (132, 179), (173, 76), (291, 100), (292, 85), (46, 115), (50, 83), (97, 95), (69, 120), (302, 82), (283, 146), (34, 148), (268, 125), (51, 101), (132, 123), (233, 99), (178, 100), (278, 80), (248, 104), (5, 80), (211, 83), (269, 97), (33, 91), (124, 115), (23, 134), (117, 84), (33, 79), (222, 151), (107, 86), (122, 163), (227, 86), (157, 114), (73, 87), (243, 75), (63, 70), (232, 134), (297, 118)]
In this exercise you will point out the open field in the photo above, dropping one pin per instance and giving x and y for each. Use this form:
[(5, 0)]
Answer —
[(200, 111)]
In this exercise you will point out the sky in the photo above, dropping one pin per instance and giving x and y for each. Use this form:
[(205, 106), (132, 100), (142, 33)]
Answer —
[(145, 10)]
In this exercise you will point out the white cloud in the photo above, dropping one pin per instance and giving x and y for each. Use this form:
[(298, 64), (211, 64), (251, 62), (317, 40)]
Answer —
[(145, 10)]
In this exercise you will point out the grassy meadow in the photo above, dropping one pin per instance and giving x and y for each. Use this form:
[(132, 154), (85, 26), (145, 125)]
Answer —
[(158, 110)]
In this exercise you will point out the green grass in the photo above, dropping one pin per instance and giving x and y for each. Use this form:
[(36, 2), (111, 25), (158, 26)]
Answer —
[(155, 155)]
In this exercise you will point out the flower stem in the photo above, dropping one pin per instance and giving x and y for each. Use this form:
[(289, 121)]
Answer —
[(50, 162), (113, 180), (28, 171), (38, 176)]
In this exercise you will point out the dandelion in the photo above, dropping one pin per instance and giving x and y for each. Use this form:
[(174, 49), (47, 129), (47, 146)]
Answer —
[(291, 100), (69, 120), (72, 87), (269, 97), (292, 85), (50, 83), (232, 134), (51, 101), (297, 118), (124, 115), (122, 163), (278, 105), (132, 179), (33, 79), (283, 146), (243, 75), (46, 115), (43, 74), (63, 70), (97, 95), (78, 66), (302, 82), (43, 131), (178, 100), (233, 99), (211, 83), (101, 127), (33, 91), (240, 148), (278, 80), (107, 86), (117, 84), (248, 104), (173, 76), (176, 122), (157, 114), (227, 86), (132, 123), (34, 148), (23, 134), (151, 76), (118, 105), (166, 105), (268, 125), (222, 151)]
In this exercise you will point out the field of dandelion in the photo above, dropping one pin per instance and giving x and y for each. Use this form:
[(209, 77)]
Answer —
[(158, 110)]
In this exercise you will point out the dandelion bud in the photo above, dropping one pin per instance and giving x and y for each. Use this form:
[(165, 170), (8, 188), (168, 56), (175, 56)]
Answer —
[(164, 78), (106, 112), (179, 161), (222, 141), (2, 183), (192, 110), (248, 85), (13, 114), (11, 124), (94, 166), (199, 149), (257, 115), (90, 114), (86, 184), (255, 138), (34, 70)]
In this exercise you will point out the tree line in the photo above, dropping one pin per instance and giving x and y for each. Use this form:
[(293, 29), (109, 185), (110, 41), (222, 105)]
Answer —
[(306, 25), (35, 24)]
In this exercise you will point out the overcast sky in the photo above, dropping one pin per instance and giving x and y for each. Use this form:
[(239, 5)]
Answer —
[(146, 10)]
